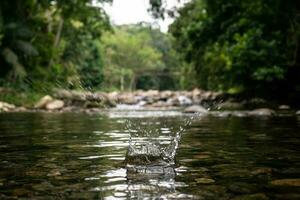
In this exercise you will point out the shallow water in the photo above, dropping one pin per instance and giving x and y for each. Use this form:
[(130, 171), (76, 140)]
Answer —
[(80, 156)]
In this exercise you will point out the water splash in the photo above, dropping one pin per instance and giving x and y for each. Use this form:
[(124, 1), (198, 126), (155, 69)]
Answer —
[(149, 145)]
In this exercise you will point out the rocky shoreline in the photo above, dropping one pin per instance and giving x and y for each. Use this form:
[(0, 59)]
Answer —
[(195, 101)]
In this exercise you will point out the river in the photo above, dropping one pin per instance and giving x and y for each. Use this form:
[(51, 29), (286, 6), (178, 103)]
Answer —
[(81, 156)]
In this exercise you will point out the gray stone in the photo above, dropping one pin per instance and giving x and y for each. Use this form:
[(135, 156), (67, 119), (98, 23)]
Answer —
[(204, 180), (258, 196), (286, 182), (55, 105), (230, 106), (262, 112), (298, 112), (184, 100), (284, 107)]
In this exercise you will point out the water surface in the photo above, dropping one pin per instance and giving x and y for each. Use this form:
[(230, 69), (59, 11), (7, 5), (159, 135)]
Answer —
[(65, 156)]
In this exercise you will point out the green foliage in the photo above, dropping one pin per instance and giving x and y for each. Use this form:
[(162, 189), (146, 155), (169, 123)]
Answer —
[(138, 55), (51, 42), (239, 45)]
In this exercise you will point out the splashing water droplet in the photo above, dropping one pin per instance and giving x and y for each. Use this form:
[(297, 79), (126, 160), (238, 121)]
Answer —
[(147, 144)]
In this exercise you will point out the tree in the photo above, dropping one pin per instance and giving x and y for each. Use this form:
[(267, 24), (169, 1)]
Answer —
[(240, 46), (49, 42), (129, 55)]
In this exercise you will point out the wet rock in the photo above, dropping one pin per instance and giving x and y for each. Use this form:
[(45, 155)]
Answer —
[(262, 170), (242, 188), (195, 109), (127, 98), (184, 100), (284, 107), (19, 192), (44, 186), (221, 114), (298, 112), (55, 105), (239, 114), (43, 102), (161, 104), (262, 112), (6, 106), (93, 104), (2, 182), (286, 182), (204, 180), (54, 172), (63, 94), (237, 172), (258, 196), (290, 196), (228, 105), (20, 109)]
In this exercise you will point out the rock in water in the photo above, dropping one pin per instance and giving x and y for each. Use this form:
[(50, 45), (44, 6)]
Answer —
[(43, 102), (262, 112), (228, 105), (284, 107), (55, 105), (195, 109), (287, 182)]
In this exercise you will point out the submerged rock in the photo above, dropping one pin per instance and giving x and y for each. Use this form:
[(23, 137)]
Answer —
[(195, 109), (258, 196), (55, 105), (284, 107), (204, 180), (286, 182), (262, 112)]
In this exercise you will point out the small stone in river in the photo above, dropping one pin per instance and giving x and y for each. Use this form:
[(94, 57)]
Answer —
[(284, 107), (262, 112), (242, 188), (55, 105), (263, 170), (204, 180), (286, 182), (54, 172), (258, 196), (195, 109)]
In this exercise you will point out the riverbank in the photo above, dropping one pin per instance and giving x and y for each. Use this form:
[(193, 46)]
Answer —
[(194, 101)]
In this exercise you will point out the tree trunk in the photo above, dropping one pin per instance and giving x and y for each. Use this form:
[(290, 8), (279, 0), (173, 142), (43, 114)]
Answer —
[(133, 83)]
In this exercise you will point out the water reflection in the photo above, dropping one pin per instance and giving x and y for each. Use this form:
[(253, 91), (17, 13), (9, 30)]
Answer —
[(65, 156)]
